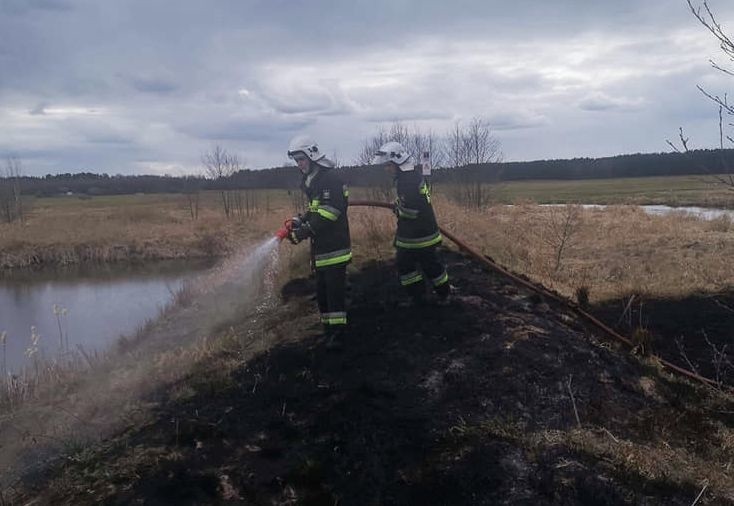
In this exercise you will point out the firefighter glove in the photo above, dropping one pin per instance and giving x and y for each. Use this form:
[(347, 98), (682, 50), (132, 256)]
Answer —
[(298, 234)]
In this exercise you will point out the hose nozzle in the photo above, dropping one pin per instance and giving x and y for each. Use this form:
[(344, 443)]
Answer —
[(286, 229)]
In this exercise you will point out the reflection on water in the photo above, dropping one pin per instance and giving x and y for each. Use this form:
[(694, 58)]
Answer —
[(88, 306), (699, 212)]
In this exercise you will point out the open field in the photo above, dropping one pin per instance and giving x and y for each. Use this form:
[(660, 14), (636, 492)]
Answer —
[(67, 230), (673, 191)]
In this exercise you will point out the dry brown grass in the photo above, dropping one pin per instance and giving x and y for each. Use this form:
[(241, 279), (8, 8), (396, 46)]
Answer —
[(131, 227), (615, 252)]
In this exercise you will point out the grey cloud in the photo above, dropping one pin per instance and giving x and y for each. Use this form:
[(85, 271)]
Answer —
[(516, 121), (39, 109), (21, 7), (600, 102), (158, 86), (243, 129), (164, 89)]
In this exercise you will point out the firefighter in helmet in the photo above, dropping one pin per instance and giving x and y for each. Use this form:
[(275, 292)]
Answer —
[(326, 225), (417, 236)]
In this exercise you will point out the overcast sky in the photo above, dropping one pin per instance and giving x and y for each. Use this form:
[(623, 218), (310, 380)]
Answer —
[(146, 86)]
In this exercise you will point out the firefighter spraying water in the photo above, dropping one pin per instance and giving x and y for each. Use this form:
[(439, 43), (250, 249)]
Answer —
[(326, 226)]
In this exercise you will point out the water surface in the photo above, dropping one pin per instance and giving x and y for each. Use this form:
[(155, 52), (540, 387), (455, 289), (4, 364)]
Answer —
[(93, 305)]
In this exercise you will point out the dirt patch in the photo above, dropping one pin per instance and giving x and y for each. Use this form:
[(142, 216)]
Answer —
[(498, 398)]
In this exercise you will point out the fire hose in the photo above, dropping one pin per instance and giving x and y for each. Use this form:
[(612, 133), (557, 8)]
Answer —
[(543, 291)]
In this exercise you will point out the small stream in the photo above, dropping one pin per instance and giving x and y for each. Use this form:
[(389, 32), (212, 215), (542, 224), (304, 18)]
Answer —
[(83, 306), (704, 213)]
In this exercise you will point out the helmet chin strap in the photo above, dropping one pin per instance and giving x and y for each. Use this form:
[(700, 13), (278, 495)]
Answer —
[(313, 169)]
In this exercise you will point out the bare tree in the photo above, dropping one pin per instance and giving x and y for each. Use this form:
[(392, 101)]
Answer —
[(706, 17), (216, 162), (472, 144), (221, 165), (399, 133), (455, 145), (370, 147), (419, 143), (481, 145)]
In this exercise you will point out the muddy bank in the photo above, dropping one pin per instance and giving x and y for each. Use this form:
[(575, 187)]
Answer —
[(499, 398)]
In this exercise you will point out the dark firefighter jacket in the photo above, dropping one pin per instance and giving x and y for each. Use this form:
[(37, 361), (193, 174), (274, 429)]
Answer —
[(417, 227), (327, 217)]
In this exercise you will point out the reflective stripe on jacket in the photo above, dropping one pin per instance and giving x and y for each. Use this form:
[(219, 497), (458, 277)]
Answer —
[(417, 227), (327, 217)]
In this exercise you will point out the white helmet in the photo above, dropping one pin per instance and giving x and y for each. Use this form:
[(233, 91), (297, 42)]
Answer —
[(393, 152), (307, 146)]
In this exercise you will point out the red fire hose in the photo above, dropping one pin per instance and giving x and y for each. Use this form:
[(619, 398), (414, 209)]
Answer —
[(537, 288)]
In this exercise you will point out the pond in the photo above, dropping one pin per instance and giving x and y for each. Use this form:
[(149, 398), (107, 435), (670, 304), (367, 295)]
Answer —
[(83, 306)]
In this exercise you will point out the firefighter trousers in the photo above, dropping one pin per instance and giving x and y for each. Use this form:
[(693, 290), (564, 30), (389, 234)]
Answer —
[(330, 294), (416, 266)]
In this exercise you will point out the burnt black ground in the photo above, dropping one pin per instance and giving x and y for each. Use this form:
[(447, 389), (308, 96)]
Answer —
[(692, 331), (454, 405)]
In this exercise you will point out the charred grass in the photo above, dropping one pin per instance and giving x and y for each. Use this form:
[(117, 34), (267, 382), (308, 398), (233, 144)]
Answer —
[(667, 277)]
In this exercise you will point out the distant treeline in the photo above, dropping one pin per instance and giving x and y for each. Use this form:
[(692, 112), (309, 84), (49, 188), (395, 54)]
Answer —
[(698, 162)]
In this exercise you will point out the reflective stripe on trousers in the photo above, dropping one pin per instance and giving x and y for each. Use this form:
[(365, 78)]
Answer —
[(419, 242), (337, 318), (411, 278), (333, 258), (440, 280)]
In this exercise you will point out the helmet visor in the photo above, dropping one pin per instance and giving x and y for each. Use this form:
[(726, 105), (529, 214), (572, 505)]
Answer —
[(297, 155), (381, 157)]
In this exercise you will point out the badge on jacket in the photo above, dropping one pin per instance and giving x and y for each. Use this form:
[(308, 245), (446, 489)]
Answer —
[(326, 195)]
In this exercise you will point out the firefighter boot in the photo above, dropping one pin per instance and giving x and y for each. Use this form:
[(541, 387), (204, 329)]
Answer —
[(335, 337)]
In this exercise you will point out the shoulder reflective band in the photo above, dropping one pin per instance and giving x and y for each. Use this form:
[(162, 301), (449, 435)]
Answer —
[(333, 258), (328, 212), (411, 278), (424, 190), (440, 280), (336, 318), (418, 243)]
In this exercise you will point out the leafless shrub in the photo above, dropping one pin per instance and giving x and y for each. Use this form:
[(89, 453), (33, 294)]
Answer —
[(245, 202), (562, 225), (582, 296), (720, 360), (11, 201), (298, 201)]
